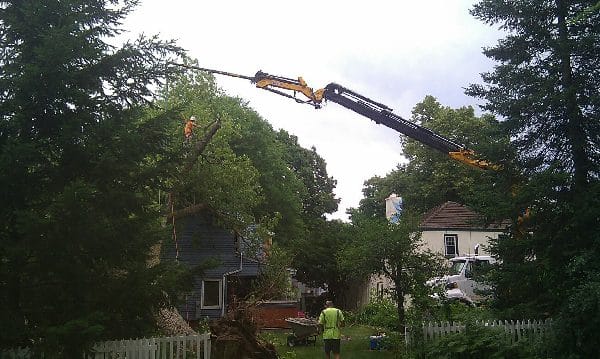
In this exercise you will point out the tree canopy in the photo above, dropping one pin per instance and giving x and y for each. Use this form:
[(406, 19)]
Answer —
[(430, 178), (545, 83), (249, 173)]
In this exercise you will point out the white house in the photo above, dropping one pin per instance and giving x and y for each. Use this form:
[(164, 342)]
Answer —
[(450, 229), (453, 229)]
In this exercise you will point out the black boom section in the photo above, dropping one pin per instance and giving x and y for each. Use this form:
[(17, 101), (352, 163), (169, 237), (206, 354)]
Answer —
[(382, 114)]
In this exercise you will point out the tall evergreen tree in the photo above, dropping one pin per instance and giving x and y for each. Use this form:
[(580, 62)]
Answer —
[(545, 86), (77, 165), (546, 83)]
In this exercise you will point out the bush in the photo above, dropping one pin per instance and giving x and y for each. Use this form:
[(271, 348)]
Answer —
[(576, 328), (475, 342), (380, 312)]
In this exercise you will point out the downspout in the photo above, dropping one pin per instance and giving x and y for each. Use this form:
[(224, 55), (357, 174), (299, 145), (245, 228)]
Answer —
[(225, 282)]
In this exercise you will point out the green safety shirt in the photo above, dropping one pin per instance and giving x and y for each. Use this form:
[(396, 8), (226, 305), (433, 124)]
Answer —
[(331, 319)]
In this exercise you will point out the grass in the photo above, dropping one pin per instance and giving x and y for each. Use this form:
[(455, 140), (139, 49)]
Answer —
[(355, 345)]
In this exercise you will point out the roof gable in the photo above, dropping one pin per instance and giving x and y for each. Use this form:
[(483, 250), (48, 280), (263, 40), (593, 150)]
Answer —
[(452, 215)]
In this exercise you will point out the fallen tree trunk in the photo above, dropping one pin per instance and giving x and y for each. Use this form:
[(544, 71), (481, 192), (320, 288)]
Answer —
[(169, 320), (171, 323)]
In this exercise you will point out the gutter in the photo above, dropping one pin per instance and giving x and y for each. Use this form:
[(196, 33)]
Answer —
[(225, 282)]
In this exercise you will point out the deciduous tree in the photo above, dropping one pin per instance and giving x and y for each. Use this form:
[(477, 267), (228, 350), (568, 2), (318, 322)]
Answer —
[(317, 258), (430, 178), (395, 251), (252, 175)]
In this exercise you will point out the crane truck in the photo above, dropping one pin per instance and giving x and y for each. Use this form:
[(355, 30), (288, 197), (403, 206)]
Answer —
[(360, 104)]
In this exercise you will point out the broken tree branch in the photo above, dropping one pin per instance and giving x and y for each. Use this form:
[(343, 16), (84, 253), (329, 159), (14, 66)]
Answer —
[(201, 145)]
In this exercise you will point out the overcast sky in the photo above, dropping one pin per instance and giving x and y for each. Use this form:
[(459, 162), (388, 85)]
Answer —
[(394, 52)]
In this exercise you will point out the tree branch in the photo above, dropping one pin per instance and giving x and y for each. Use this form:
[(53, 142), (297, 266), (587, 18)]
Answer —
[(201, 145)]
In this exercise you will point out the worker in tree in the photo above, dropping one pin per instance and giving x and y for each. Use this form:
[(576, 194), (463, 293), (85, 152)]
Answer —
[(332, 320), (189, 128)]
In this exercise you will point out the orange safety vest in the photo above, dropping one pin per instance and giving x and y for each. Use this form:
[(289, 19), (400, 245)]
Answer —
[(189, 127)]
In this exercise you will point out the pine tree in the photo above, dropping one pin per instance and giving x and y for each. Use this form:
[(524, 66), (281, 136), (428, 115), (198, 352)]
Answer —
[(546, 83), (78, 162), (545, 86)]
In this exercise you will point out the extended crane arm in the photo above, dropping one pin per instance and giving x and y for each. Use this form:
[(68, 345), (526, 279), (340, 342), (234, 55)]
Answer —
[(382, 114), (276, 84), (272, 83), (360, 104)]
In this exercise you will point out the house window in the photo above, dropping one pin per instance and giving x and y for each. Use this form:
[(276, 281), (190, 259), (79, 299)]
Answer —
[(380, 290), (450, 245), (211, 294), (503, 237)]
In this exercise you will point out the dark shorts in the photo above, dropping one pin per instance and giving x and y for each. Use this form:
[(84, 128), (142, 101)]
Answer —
[(332, 345)]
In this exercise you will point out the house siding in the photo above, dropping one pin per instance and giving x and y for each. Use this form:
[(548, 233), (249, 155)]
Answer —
[(199, 241), (467, 240), (457, 219)]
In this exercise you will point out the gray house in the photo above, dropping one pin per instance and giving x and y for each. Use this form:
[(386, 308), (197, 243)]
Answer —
[(225, 270)]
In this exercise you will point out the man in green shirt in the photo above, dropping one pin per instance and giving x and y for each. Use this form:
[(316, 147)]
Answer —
[(332, 320)]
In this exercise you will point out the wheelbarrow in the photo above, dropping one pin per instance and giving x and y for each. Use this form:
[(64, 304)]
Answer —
[(304, 331)]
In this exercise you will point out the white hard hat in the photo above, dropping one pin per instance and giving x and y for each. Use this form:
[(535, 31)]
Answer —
[(193, 118)]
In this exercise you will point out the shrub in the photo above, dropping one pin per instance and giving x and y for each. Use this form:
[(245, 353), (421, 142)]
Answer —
[(380, 312), (576, 329), (476, 342)]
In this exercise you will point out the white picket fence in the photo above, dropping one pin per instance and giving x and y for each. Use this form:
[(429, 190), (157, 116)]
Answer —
[(17, 353), (515, 330), (178, 347)]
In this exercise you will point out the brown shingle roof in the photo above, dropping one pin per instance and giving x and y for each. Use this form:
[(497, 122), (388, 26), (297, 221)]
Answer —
[(452, 215)]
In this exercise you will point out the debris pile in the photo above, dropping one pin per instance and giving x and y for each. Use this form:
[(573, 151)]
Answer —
[(236, 335)]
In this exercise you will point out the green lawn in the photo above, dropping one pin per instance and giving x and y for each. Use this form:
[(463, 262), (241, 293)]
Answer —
[(355, 345)]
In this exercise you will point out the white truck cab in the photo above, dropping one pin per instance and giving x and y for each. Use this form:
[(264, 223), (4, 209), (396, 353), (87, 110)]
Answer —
[(459, 282)]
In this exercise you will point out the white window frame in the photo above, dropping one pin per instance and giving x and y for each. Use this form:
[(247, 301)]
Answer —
[(218, 306), (454, 238)]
